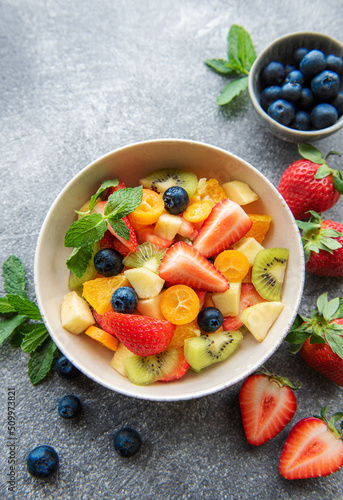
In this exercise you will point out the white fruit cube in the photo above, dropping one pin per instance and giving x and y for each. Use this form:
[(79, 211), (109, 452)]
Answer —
[(260, 317), (167, 226), (228, 302), (146, 283), (76, 315), (121, 354), (250, 247), (151, 307), (240, 192)]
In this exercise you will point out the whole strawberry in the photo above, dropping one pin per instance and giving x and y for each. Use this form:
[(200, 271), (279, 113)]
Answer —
[(323, 246), (320, 338), (310, 184)]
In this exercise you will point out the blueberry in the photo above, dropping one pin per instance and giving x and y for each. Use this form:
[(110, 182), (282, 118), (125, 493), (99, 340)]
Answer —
[(295, 76), (291, 91), (282, 111), (289, 68), (324, 115), (127, 442), (108, 262), (210, 319), (65, 369), (338, 102), (302, 121), (176, 200), (306, 99), (300, 53), (124, 300), (273, 73), (269, 95), (334, 63), (69, 406), (312, 63), (211, 259), (325, 85), (42, 461)]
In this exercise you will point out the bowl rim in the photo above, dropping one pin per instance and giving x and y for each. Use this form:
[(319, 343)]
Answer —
[(135, 389), (300, 134)]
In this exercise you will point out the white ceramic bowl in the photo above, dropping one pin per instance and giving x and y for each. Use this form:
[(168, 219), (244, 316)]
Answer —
[(129, 164)]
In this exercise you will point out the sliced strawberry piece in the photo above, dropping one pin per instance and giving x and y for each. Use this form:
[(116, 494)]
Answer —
[(111, 190), (226, 224), (110, 241), (187, 229), (141, 335), (202, 297), (180, 367), (185, 265), (267, 406), (249, 297)]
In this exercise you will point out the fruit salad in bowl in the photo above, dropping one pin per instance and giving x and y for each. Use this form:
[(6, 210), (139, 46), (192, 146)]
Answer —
[(182, 266)]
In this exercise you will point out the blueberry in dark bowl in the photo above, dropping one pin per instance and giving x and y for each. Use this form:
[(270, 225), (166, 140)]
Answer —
[(324, 115), (124, 300), (65, 369), (269, 95), (282, 111), (289, 68), (295, 76), (337, 102), (42, 461), (108, 262), (325, 85), (306, 100), (312, 63), (127, 442), (273, 73), (176, 200), (210, 319), (291, 91), (69, 406), (302, 121), (300, 53), (334, 63)]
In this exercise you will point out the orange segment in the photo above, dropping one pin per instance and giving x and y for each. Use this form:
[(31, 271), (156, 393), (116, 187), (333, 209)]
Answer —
[(180, 304), (208, 190), (233, 264), (148, 212), (98, 292), (260, 226), (198, 211), (183, 332), (103, 338)]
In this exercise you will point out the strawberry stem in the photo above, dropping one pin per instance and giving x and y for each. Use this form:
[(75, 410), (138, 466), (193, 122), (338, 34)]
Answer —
[(281, 381), (331, 423)]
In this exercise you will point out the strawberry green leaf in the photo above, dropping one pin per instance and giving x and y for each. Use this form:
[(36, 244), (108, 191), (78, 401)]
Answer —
[(316, 337), (322, 301), (295, 348), (220, 66), (335, 341), (323, 171), (337, 181), (330, 153), (331, 308), (297, 337), (311, 153), (299, 320), (232, 89), (339, 313)]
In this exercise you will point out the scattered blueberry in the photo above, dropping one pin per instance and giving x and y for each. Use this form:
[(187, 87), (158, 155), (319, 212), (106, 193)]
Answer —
[(295, 76), (282, 111), (269, 95), (124, 300), (306, 99), (300, 53), (338, 102), (42, 461), (291, 91), (210, 319), (108, 262), (324, 115), (334, 63), (325, 85), (312, 63), (176, 200), (273, 73), (65, 369), (127, 442), (302, 121), (69, 406)]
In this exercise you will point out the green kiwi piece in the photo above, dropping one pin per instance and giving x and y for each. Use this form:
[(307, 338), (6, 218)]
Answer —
[(144, 370), (162, 179), (268, 272), (148, 255), (75, 283), (211, 348)]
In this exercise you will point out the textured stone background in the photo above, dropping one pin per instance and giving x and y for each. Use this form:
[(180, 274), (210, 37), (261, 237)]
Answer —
[(81, 78)]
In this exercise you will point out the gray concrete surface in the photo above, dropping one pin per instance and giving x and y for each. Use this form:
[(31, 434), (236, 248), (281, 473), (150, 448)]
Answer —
[(81, 78)]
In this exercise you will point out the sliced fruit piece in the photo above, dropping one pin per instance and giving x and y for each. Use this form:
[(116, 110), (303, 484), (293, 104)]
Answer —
[(141, 335), (250, 247), (268, 272), (98, 292), (183, 332), (111, 241), (162, 179), (260, 226), (208, 189), (188, 229), (180, 304), (260, 317), (147, 234), (149, 210), (148, 256), (239, 192), (146, 283), (183, 264), (179, 369), (76, 283), (205, 350), (167, 226), (131, 244), (121, 354), (101, 337), (233, 264), (198, 211), (226, 224), (249, 297), (76, 315), (151, 307), (228, 302)]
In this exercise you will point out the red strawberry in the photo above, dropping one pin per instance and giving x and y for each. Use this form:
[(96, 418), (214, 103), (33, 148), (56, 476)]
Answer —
[(111, 190), (249, 297), (185, 265), (314, 448), (226, 224), (310, 184), (267, 405), (140, 334), (131, 244), (179, 368), (110, 241), (146, 233), (320, 338), (323, 246)]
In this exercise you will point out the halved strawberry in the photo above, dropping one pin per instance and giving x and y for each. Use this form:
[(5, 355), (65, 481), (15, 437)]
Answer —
[(314, 448), (185, 265), (267, 405), (249, 297), (141, 335), (179, 368), (226, 224)]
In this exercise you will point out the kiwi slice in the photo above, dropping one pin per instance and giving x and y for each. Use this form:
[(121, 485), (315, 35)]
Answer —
[(148, 255), (162, 179), (144, 370), (211, 348), (75, 283), (268, 272)]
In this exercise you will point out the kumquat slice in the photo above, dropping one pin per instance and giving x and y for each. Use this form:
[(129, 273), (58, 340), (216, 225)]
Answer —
[(198, 211), (150, 209), (180, 304), (233, 264), (101, 337)]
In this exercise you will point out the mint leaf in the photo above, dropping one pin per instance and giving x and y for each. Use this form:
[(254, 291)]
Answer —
[(85, 231), (103, 186), (241, 50), (220, 66), (25, 307), (120, 228), (8, 325), (311, 153), (34, 336), (5, 306), (122, 202), (16, 338), (41, 361), (14, 276), (78, 260), (232, 89)]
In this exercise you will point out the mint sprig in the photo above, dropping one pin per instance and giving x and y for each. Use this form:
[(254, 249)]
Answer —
[(241, 55), (22, 325)]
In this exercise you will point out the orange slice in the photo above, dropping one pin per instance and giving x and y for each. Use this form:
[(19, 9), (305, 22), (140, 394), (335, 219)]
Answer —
[(183, 332), (260, 226), (198, 211), (208, 190), (233, 264), (98, 292), (103, 338), (180, 304), (148, 212)]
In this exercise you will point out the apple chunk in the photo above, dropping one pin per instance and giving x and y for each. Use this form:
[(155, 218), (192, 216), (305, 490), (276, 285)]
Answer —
[(260, 317)]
